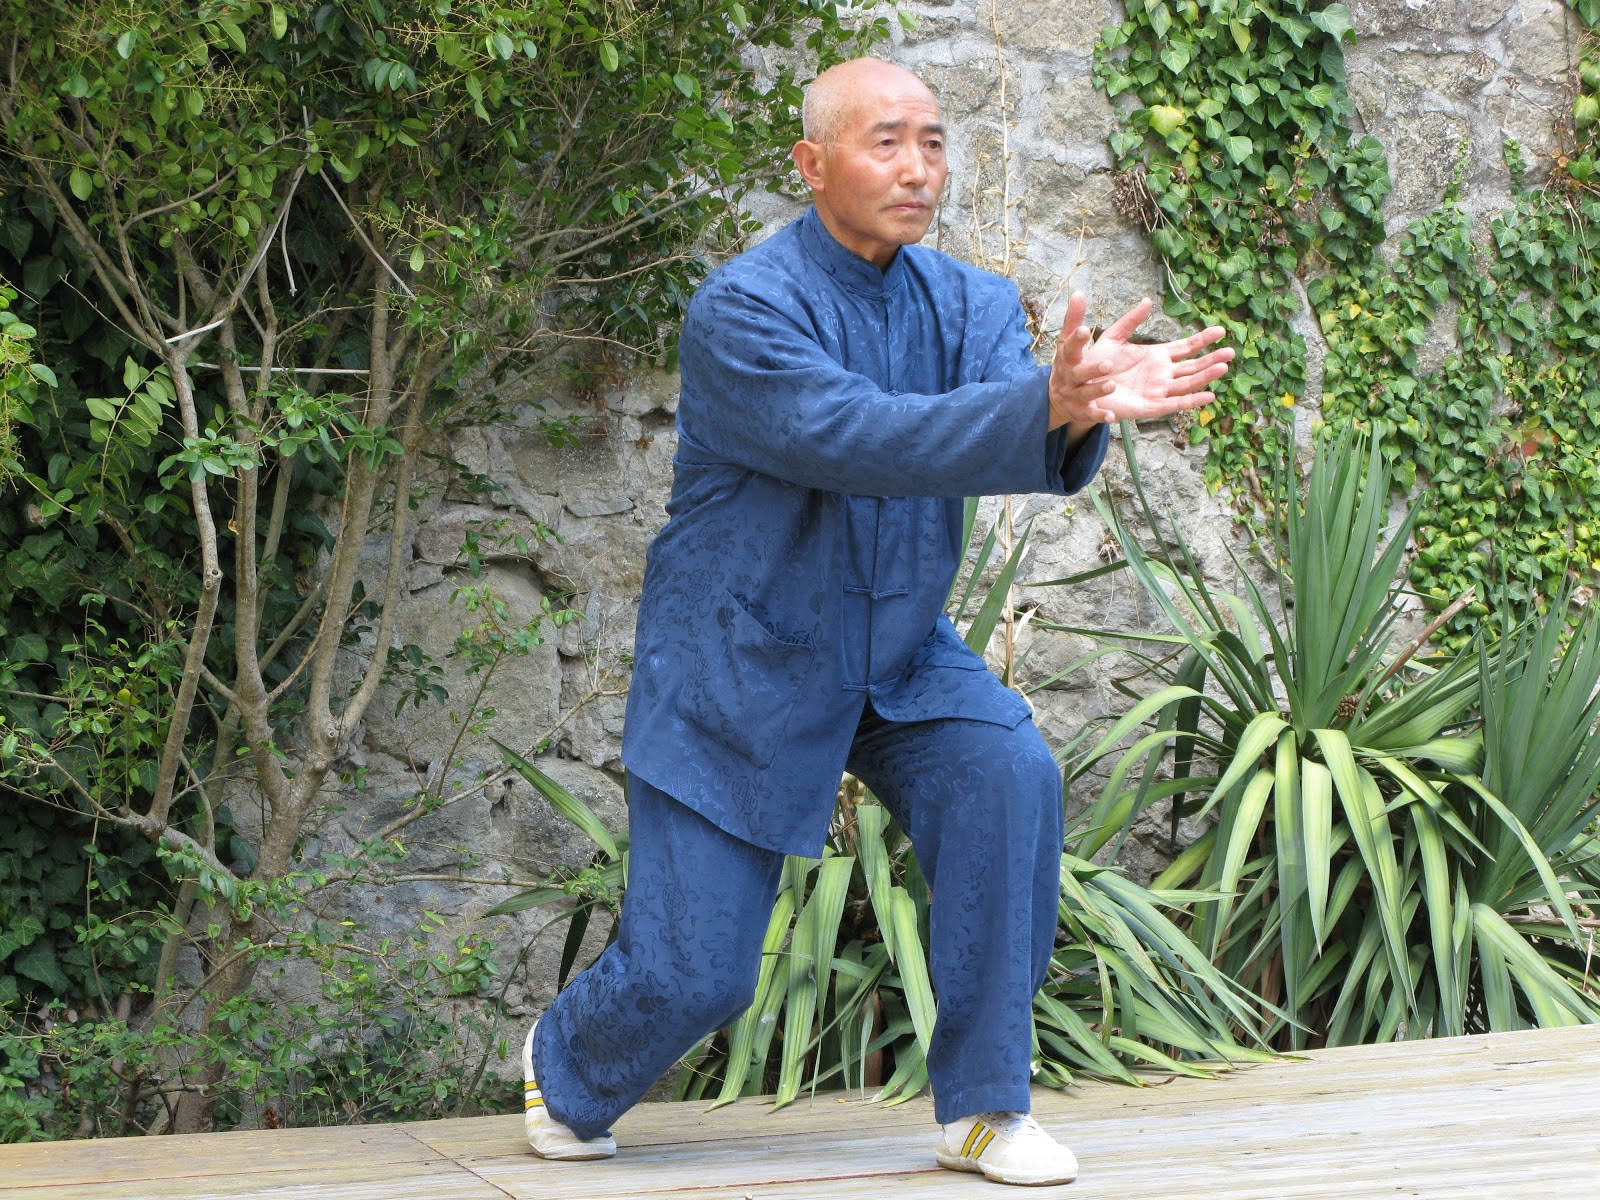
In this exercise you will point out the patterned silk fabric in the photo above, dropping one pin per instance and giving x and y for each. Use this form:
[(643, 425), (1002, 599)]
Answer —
[(832, 417)]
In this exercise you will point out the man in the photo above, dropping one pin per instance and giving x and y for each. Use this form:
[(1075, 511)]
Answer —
[(843, 389)]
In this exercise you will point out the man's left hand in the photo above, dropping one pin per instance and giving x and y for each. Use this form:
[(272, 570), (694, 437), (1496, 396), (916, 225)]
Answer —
[(1109, 378)]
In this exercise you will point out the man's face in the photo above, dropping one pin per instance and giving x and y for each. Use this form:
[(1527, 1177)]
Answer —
[(876, 183)]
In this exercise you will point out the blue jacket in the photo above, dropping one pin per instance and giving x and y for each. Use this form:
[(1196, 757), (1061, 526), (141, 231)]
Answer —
[(832, 419)]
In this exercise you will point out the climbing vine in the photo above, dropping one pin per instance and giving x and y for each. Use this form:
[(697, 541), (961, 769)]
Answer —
[(1238, 159), (1239, 162)]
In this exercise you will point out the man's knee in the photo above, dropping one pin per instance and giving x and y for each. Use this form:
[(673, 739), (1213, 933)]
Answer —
[(708, 1002)]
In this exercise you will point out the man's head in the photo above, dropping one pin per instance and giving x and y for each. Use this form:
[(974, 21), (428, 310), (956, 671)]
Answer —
[(873, 155)]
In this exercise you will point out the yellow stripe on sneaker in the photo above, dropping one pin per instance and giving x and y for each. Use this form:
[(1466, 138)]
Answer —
[(983, 1144), (978, 1129), (534, 1101)]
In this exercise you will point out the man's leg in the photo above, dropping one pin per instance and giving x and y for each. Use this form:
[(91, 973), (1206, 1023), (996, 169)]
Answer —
[(982, 805), (684, 964)]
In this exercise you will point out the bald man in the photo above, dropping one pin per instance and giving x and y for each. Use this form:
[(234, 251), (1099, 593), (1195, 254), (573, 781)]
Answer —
[(843, 389)]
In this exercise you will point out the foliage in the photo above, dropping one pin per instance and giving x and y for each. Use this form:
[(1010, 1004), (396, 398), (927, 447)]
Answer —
[(1400, 846), (20, 375), (263, 245), (1238, 159), (1503, 433), (383, 1031)]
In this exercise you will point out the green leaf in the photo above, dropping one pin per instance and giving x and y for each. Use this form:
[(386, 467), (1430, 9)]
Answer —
[(233, 33), (80, 182), (609, 59), (38, 962), (278, 21), (913, 967), (1177, 56), (1335, 21), (1316, 795), (1239, 148), (686, 84), (564, 802), (125, 45), (1164, 118)]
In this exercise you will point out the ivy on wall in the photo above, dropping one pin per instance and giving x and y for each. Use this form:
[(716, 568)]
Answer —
[(1239, 160), (1238, 157)]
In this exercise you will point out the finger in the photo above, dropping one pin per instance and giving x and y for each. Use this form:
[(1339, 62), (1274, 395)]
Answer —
[(1190, 366), (1189, 384), (1077, 306), (1069, 352), (1073, 336), (1166, 406), (1122, 328), (1196, 342), (1082, 373)]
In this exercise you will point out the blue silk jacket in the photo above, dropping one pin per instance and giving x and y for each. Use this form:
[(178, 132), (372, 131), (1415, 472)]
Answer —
[(831, 420)]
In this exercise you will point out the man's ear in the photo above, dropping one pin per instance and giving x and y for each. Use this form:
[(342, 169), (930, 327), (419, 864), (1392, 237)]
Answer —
[(808, 158)]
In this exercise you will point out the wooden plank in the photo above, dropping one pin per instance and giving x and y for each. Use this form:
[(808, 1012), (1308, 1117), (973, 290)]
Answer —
[(323, 1181), (131, 1158), (1500, 1117), (347, 1163)]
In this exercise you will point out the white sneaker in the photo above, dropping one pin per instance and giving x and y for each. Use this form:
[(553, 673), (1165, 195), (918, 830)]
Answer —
[(548, 1136), (1008, 1147)]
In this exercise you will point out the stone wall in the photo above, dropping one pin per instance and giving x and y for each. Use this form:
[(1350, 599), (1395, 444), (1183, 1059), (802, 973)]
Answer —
[(1029, 195)]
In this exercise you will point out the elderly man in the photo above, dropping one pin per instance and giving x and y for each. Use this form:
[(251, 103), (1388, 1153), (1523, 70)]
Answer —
[(843, 389)]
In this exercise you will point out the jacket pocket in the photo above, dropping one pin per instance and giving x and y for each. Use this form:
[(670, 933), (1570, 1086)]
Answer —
[(750, 682)]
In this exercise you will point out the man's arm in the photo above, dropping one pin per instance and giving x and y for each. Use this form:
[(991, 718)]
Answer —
[(760, 392)]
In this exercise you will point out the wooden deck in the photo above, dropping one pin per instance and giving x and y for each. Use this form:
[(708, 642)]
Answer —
[(1503, 1117)]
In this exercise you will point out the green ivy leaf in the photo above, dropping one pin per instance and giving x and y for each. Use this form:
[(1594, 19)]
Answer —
[(1164, 118), (1334, 21), (1239, 148), (1176, 56), (38, 962)]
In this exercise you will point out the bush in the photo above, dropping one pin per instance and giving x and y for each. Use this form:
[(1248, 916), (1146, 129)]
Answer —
[(1400, 844)]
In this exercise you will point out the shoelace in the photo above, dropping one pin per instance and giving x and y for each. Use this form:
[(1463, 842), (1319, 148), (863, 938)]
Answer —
[(1013, 1124)]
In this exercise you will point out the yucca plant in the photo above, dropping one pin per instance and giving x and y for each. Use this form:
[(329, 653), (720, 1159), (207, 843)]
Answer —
[(1384, 862)]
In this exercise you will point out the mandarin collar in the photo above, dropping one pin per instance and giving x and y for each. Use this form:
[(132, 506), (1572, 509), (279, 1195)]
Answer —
[(846, 266)]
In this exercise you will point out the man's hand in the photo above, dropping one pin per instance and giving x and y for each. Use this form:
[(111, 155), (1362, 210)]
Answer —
[(1111, 379)]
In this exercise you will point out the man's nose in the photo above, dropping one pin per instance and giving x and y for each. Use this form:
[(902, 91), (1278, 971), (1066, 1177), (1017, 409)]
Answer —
[(913, 167)]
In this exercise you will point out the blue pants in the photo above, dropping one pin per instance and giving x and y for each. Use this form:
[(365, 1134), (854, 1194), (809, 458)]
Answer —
[(982, 806)]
